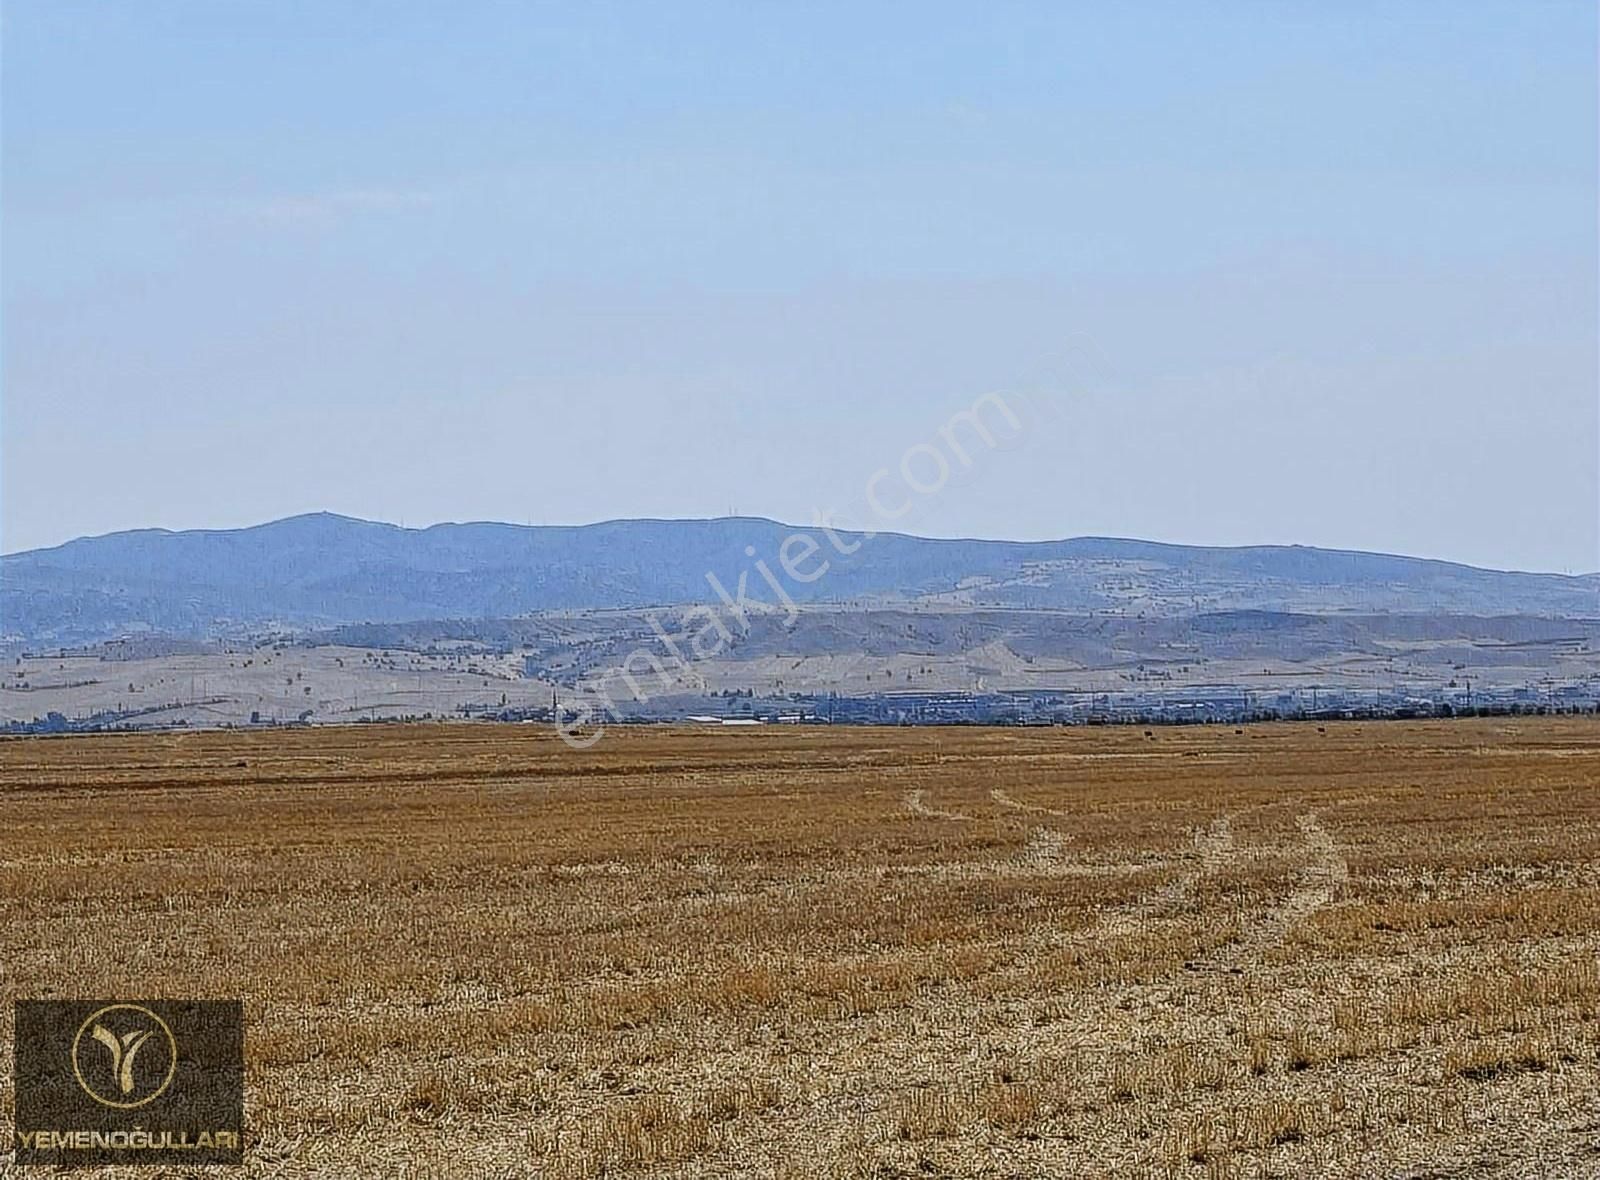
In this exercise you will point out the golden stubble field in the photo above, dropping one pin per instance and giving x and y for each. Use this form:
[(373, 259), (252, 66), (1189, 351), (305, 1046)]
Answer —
[(1372, 950)]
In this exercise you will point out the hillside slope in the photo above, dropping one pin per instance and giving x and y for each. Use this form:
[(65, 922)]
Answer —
[(324, 570)]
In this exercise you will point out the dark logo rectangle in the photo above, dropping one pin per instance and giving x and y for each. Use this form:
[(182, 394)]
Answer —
[(129, 1082)]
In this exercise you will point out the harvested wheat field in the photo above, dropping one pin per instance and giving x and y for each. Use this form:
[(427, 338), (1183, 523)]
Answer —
[(1365, 950)]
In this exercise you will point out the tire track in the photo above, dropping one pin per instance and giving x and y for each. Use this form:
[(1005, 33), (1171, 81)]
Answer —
[(1323, 872), (1215, 847), (1006, 800), (915, 805), (1045, 854)]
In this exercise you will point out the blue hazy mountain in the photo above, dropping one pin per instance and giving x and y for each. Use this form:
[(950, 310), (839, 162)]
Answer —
[(323, 570)]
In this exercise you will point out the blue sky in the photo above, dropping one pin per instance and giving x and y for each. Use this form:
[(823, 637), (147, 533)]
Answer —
[(1285, 272)]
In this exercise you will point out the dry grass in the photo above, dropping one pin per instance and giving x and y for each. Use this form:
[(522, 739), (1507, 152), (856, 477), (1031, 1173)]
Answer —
[(1277, 951)]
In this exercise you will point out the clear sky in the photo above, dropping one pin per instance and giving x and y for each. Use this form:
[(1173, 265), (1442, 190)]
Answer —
[(1287, 272)]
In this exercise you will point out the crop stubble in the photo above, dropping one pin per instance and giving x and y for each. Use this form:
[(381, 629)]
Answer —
[(1359, 949)]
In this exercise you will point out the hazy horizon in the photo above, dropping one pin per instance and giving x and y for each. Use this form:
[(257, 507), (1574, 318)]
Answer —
[(1283, 277), (798, 525)]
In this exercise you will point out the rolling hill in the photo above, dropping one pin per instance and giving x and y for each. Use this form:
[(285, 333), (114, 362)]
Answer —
[(324, 570)]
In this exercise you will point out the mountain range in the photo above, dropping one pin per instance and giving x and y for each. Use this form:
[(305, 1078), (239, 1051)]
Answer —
[(324, 570)]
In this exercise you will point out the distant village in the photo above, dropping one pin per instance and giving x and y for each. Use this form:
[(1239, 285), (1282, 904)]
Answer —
[(1218, 705)]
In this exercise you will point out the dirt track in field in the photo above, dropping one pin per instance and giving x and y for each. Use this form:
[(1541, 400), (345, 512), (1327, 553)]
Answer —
[(1367, 950)]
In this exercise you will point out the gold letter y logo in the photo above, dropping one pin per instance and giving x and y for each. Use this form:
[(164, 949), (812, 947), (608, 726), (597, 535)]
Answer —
[(122, 1053)]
